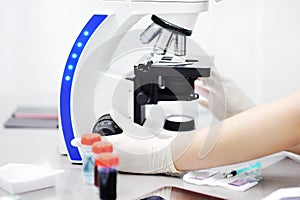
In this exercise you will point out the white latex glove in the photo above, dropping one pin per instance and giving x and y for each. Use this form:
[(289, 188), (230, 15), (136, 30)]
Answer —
[(139, 148), (164, 192), (221, 96)]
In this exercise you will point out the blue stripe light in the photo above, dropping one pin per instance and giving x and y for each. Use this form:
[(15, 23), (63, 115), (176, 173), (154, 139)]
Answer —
[(79, 44), (70, 67), (67, 80), (74, 55)]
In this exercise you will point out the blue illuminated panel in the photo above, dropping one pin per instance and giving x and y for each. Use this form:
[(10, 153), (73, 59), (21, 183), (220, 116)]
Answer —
[(65, 92)]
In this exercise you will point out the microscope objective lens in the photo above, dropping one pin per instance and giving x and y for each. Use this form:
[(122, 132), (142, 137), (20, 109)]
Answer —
[(180, 45), (150, 33), (163, 42)]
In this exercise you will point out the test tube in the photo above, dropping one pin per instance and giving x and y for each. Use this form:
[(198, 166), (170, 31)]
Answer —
[(87, 140), (98, 148), (150, 33), (107, 175), (163, 42)]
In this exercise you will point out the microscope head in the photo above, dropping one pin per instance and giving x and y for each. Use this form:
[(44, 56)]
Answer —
[(166, 34)]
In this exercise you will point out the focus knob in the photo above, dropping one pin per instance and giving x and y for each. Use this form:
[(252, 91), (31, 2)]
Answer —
[(142, 98), (105, 126)]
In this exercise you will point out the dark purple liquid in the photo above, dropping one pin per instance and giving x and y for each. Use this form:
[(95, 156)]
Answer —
[(107, 181)]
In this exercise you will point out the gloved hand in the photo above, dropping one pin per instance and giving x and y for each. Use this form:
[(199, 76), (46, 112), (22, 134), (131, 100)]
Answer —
[(164, 193), (221, 96), (140, 149)]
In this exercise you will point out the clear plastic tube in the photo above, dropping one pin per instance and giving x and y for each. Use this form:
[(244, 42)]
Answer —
[(87, 140), (88, 165)]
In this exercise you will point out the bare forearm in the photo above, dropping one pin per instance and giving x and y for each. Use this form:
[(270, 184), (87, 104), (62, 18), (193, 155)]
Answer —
[(255, 133), (294, 149)]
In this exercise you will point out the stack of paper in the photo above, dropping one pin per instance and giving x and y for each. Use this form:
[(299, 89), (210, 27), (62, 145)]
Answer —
[(18, 178)]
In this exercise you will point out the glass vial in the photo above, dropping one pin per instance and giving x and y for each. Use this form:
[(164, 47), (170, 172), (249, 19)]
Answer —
[(87, 140), (99, 148), (107, 175)]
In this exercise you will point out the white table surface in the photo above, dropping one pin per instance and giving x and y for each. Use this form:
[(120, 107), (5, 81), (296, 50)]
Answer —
[(40, 145)]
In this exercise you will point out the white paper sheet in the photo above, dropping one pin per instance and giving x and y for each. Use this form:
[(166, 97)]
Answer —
[(212, 176)]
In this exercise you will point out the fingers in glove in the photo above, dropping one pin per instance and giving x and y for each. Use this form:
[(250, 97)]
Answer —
[(204, 102), (129, 127)]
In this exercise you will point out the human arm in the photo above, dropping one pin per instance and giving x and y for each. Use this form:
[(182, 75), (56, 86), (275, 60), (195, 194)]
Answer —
[(294, 149), (257, 132), (260, 131)]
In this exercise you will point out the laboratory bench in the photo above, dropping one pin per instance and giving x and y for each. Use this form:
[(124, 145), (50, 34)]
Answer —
[(37, 146)]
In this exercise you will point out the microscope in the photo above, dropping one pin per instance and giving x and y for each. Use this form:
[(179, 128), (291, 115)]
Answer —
[(167, 79), (89, 87)]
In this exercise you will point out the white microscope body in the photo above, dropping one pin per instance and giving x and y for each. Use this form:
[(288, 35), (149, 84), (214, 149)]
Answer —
[(95, 50)]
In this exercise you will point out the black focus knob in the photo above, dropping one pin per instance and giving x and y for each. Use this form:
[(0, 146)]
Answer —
[(105, 126), (142, 98)]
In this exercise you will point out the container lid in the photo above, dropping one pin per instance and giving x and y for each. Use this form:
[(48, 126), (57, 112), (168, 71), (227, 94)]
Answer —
[(90, 138), (107, 160), (101, 147)]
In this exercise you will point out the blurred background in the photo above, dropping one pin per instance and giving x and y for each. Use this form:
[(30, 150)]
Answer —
[(255, 42)]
